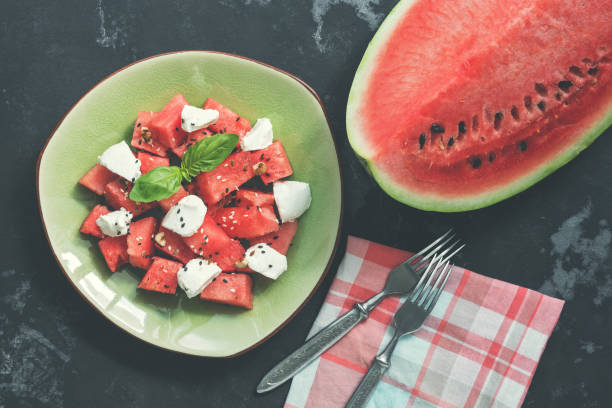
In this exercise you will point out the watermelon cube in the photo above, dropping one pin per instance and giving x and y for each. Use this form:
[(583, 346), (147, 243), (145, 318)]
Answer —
[(172, 244), (191, 138), (211, 242), (140, 245), (275, 163), (116, 194), (247, 222), (149, 162), (234, 171), (143, 137), (253, 198), (161, 276), (89, 225), (234, 289), (97, 178), (167, 203), (229, 121), (114, 250), (167, 123), (279, 240)]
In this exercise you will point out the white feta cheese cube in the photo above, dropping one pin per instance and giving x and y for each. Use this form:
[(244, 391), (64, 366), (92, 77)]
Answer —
[(292, 198), (264, 259), (120, 160), (193, 118), (259, 137), (196, 275), (115, 223), (186, 216)]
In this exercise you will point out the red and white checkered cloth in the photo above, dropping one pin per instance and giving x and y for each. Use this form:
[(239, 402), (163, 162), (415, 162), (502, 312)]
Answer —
[(479, 348)]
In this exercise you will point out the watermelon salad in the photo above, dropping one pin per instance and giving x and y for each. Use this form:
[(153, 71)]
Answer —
[(198, 200)]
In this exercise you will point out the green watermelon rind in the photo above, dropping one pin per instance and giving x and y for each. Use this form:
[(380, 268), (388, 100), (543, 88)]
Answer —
[(439, 203)]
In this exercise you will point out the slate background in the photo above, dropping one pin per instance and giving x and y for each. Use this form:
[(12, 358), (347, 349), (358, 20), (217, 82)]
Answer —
[(56, 351)]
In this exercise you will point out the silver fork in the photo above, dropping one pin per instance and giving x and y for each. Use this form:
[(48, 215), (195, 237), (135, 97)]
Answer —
[(408, 319), (401, 281)]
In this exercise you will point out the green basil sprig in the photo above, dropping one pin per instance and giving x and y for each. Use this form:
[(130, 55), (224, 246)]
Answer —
[(205, 155)]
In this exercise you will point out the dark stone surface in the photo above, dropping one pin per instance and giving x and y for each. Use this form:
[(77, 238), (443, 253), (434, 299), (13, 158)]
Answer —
[(56, 351)]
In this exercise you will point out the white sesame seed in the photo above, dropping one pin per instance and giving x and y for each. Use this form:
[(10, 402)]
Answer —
[(201, 230), (218, 177), (235, 221), (169, 247), (233, 290)]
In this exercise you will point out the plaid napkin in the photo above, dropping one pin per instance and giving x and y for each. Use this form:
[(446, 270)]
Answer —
[(479, 348)]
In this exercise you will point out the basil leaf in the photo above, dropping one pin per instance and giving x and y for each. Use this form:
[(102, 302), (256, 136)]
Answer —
[(157, 184), (207, 154)]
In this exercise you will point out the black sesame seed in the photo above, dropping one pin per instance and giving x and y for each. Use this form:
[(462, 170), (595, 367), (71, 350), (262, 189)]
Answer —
[(476, 162), (226, 189), (269, 243), (166, 286), (261, 157), (422, 140), (523, 145), (192, 124), (200, 262), (118, 232), (267, 174), (181, 219), (140, 243), (437, 128), (275, 237), (183, 225), (178, 210), (182, 120), (558, 96), (133, 179), (204, 133), (214, 279), (269, 266), (542, 106), (491, 157), (176, 129), (451, 142), (259, 246), (238, 118), (263, 252), (216, 252), (461, 127), (138, 124), (593, 71), (224, 280), (139, 142), (565, 85)]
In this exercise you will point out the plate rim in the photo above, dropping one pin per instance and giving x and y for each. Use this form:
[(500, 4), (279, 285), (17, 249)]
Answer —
[(340, 219)]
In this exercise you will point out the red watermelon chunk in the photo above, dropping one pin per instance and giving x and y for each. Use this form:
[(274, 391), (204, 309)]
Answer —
[(277, 164), (173, 245), (116, 196), (141, 139), (229, 121), (161, 276), (234, 289), (247, 222), (114, 250), (97, 178), (149, 162), (253, 198), (89, 226), (140, 245), (167, 123), (191, 138), (279, 240), (235, 170), (167, 203), (211, 242)]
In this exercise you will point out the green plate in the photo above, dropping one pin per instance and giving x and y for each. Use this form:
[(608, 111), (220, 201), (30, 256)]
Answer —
[(106, 114)]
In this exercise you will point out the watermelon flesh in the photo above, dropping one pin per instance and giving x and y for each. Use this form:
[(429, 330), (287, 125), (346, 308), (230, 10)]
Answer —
[(140, 245), (89, 225), (275, 162), (167, 203), (142, 139), (148, 161), (229, 121), (246, 197), (507, 94), (166, 125), (234, 171), (190, 140), (234, 289), (116, 195), (172, 244), (161, 276), (240, 222), (97, 178), (279, 240), (211, 242), (114, 250)]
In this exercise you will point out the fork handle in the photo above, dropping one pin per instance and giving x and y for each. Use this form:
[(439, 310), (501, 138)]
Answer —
[(318, 344), (379, 366)]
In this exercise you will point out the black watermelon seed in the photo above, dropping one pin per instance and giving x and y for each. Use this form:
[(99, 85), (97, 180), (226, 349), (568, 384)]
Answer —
[(461, 127), (491, 157), (436, 128), (558, 96), (476, 162), (542, 106), (451, 141), (514, 113), (422, 140), (523, 145), (475, 122), (138, 124), (261, 157), (497, 121), (593, 71), (541, 89), (565, 85), (528, 103), (576, 71)]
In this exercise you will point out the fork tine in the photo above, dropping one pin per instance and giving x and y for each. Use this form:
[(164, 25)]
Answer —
[(422, 251), (430, 286), (421, 283), (438, 291), (453, 253), (434, 251)]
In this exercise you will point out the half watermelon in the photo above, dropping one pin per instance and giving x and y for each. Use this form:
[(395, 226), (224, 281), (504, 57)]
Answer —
[(455, 108)]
